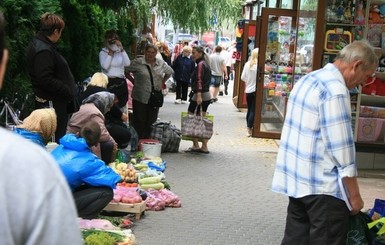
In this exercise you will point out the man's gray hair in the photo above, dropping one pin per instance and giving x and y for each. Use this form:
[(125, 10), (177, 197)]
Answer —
[(359, 50)]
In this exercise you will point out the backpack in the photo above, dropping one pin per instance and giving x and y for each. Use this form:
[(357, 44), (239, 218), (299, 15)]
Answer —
[(167, 134)]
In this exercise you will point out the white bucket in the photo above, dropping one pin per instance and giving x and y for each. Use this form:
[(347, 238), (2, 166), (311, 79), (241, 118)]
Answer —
[(151, 149)]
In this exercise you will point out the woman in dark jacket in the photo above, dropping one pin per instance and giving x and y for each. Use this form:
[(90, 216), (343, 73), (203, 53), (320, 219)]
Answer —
[(200, 86), (52, 81), (183, 67)]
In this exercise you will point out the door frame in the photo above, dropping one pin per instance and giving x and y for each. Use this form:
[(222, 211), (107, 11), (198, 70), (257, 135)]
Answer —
[(241, 101), (266, 12)]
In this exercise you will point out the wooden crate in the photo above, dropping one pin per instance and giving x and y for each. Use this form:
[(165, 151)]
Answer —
[(137, 208)]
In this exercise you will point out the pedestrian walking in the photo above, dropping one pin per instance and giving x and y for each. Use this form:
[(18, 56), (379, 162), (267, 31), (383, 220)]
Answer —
[(183, 67)]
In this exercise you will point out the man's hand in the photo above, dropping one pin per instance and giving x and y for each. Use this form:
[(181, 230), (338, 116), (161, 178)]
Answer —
[(357, 204), (124, 117), (355, 199)]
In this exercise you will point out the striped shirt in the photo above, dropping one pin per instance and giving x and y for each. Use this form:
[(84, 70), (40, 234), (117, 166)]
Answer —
[(317, 144)]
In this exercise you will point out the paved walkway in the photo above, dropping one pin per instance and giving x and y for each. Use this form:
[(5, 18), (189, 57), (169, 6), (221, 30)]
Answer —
[(226, 197)]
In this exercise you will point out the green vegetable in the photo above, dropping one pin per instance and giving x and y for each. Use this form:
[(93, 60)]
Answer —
[(149, 180), (140, 165), (166, 184), (116, 221), (156, 186), (97, 237)]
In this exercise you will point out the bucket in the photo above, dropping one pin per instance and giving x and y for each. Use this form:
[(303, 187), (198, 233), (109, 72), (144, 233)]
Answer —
[(152, 149), (144, 141)]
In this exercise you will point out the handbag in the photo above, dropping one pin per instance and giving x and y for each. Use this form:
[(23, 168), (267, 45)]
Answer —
[(156, 96), (196, 126)]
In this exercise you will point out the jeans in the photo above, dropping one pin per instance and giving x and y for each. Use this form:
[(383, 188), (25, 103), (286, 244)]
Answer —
[(250, 99)]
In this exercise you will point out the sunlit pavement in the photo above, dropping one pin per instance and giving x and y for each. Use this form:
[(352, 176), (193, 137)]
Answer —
[(226, 196)]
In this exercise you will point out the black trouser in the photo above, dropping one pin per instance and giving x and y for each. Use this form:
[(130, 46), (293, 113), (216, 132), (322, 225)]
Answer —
[(106, 150), (61, 115), (316, 220), (90, 200), (143, 116), (120, 133), (226, 81), (250, 100), (181, 90)]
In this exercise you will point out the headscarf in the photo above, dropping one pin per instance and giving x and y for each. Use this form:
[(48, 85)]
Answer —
[(102, 100), (42, 121)]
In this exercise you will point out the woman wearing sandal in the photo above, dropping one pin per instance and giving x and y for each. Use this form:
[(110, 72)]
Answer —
[(200, 88)]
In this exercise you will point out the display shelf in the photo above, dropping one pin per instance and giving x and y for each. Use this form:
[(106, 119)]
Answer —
[(373, 100)]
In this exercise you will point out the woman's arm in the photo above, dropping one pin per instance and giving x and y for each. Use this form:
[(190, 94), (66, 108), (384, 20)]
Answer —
[(105, 59)]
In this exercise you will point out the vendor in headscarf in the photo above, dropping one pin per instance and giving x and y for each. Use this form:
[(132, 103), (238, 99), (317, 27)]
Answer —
[(93, 108), (39, 126)]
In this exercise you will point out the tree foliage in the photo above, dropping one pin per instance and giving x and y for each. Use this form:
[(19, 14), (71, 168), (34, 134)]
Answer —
[(195, 15), (87, 20)]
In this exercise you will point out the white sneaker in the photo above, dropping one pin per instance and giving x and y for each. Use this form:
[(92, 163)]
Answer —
[(178, 101), (184, 102)]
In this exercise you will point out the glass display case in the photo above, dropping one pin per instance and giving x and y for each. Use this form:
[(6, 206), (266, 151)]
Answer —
[(284, 57)]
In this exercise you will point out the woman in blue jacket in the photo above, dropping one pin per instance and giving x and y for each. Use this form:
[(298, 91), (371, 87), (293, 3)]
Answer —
[(89, 178), (183, 67)]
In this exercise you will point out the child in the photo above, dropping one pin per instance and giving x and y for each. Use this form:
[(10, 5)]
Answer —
[(89, 178)]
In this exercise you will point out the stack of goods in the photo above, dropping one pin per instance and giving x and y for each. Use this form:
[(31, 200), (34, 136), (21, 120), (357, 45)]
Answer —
[(370, 123)]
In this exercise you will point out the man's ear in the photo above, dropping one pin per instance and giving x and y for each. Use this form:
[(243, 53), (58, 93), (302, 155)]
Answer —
[(3, 66), (357, 64)]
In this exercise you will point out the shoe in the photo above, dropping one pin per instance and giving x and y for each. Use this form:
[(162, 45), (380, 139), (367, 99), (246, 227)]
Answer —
[(178, 101), (184, 102), (196, 150), (220, 94), (226, 92), (249, 132)]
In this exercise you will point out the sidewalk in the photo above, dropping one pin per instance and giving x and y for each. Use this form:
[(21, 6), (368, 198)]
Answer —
[(226, 196)]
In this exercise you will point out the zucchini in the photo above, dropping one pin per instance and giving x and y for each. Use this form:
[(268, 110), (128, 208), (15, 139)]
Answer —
[(149, 180), (156, 186)]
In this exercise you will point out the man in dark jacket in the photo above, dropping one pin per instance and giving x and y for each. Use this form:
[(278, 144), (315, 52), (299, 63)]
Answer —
[(52, 81)]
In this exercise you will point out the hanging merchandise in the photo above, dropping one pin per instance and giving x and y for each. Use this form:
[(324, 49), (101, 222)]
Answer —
[(239, 34)]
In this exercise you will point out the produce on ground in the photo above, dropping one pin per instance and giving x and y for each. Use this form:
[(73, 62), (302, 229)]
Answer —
[(126, 195), (126, 171)]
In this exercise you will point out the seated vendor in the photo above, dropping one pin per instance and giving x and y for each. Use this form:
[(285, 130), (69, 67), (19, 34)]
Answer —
[(89, 178), (39, 126)]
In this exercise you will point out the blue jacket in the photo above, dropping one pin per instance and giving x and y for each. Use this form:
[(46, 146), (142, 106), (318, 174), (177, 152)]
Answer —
[(183, 67), (33, 136), (80, 165)]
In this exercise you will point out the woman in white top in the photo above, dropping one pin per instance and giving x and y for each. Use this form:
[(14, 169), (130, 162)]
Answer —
[(113, 58), (249, 76)]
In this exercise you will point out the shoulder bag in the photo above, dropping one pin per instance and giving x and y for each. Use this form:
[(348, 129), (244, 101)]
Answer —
[(156, 97)]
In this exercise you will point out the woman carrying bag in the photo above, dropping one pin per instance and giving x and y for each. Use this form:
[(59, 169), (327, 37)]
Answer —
[(201, 98)]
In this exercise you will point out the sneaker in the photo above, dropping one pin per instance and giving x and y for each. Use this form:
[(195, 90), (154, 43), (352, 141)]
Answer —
[(184, 102), (249, 132), (178, 101), (226, 92)]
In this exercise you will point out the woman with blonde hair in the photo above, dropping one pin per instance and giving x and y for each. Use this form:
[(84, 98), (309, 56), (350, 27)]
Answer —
[(249, 76), (115, 119), (99, 79), (39, 126)]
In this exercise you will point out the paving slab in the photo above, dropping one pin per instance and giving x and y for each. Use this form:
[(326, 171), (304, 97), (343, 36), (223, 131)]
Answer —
[(226, 196)]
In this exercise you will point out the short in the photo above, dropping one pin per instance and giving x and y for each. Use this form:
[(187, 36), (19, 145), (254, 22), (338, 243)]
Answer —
[(216, 81), (193, 105)]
